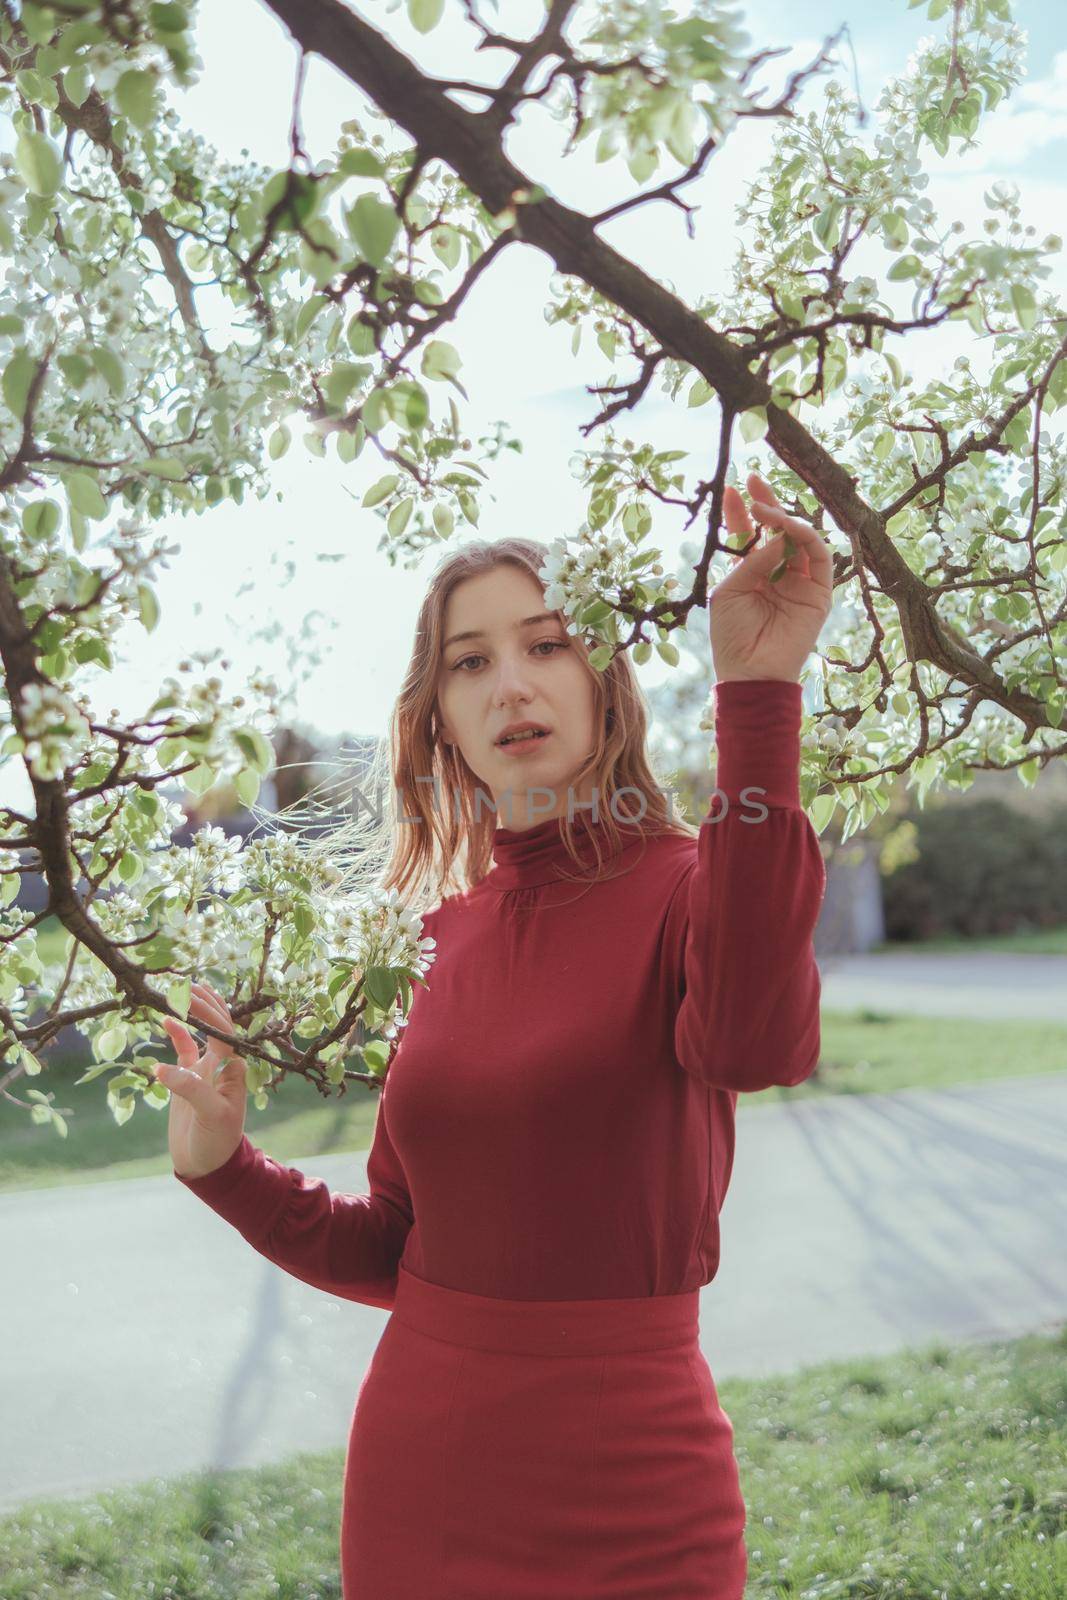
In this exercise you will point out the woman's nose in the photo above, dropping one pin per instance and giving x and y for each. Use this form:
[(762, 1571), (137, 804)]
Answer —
[(512, 679)]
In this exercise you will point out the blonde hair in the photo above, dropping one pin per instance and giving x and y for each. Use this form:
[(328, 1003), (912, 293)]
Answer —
[(436, 850)]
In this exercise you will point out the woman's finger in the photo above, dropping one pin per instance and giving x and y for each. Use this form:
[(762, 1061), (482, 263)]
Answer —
[(735, 515), (812, 543), (223, 1057), (205, 989), (183, 1042), (206, 1011), (760, 489), (210, 1001)]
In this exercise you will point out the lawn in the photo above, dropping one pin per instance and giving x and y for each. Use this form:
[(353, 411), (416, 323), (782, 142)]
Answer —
[(936, 1474), (1037, 942), (865, 1050), (861, 1051)]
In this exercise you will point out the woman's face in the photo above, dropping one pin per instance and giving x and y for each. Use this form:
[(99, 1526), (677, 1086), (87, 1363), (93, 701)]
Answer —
[(516, 671)]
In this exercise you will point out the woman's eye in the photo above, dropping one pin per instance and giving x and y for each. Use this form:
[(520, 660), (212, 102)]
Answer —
[(552, 644)]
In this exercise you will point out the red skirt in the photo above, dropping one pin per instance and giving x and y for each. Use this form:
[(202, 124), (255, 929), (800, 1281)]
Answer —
[(540, 1450)]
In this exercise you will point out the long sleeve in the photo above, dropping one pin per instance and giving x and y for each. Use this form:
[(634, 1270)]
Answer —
[(740, 930), (346, 1244)]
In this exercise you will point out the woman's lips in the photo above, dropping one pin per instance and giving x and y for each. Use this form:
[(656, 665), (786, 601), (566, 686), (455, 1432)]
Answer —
[(520, 746)]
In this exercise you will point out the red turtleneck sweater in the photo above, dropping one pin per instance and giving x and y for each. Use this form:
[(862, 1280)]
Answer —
[(557, 1121)]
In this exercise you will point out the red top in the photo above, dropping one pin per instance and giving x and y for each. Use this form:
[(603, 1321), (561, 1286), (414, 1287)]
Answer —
[(558, 1118)]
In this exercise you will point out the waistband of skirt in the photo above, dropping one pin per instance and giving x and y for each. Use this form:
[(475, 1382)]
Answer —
[(546, 1327)]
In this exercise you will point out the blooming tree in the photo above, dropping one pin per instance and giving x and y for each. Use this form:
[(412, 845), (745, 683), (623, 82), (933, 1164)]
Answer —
[(943, 655)]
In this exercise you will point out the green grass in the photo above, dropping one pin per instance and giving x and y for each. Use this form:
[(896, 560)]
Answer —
[(936, 1474), (865, 1050), (1036, 942), (861, 1051), (297, 1122)]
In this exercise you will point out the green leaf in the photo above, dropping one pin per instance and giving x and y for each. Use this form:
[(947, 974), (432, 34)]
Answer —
[(247, 785), (894, 228), (300, 193), (163, 467), (178, 996), (374, 412), (32, 86), (443, 520), (18, 376), (93, 1072), (109, 1045), (821, 810), (400, 516), (255, 747), (350, 442), (440, 360), (84, 495), (135, 95), (200, 778), (343, 377), (111, 368), (701, 392), (307, 314), (38, 21), (642, 164), (168, 18), (41, 519), (1025, 305), (360, 164), (38, 163), (754, 424), (360, 338), (906, 267), (408, 403), (606, 339), (425, 14), (826, 224), (446, 245), (381, 985), (681, 134), (131, 867), (280, 441), (382, 489), (148, 606), (373, 225), (376, 1054), (75, 369)]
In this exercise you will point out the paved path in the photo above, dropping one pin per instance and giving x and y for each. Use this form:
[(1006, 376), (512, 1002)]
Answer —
[(982, 984), (153, 1340)]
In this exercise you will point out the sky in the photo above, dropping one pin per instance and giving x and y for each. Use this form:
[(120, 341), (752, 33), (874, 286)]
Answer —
[(304, 561)]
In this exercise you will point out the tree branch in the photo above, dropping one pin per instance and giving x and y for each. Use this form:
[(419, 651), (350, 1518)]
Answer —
[(464, 140)]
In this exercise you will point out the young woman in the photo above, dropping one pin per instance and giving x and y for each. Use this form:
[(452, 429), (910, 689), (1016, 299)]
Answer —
[(555, 1134)]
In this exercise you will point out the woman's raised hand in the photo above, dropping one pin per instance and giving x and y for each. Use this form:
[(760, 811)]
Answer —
[(208, 1093), (766, 615)]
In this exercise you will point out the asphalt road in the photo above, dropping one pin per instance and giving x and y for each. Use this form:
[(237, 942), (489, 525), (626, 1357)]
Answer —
[(147, 1339), (981, 984)]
